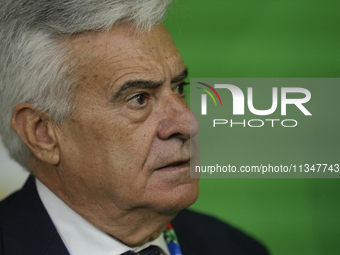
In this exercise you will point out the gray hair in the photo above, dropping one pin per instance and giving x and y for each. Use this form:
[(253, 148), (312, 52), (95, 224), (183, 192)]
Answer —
[(33, 65)]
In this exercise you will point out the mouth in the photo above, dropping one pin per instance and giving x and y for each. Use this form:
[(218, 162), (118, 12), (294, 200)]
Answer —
[(177, 165)]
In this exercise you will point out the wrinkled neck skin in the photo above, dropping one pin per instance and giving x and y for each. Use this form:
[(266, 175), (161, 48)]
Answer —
[(131, 226)]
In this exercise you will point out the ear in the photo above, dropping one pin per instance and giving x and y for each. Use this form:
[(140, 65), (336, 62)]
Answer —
[(37, 132)]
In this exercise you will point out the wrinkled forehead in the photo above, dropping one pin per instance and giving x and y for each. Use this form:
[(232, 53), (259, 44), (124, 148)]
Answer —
[(123, 48)]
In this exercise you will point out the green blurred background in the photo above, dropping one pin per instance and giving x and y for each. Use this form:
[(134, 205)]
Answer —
[(261, 39)]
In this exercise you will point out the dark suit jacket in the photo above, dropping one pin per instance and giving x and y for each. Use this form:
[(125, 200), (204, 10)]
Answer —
[(26, 229)]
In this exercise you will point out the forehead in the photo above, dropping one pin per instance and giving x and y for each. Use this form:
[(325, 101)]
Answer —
[(121, 53)]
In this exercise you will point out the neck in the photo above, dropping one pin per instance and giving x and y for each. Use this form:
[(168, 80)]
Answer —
[(131, 226)]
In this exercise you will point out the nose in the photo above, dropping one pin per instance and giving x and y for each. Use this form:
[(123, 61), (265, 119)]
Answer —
[(177, 120)]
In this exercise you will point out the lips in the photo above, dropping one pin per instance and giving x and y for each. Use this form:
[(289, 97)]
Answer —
[(175, 164)]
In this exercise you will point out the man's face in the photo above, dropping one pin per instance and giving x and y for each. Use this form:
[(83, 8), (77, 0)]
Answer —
[(128, 144)]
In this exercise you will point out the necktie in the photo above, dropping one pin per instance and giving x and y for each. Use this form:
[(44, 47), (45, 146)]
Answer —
[(171, 240), (151, 250)]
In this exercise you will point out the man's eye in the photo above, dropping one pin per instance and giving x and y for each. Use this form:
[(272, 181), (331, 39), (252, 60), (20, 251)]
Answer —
[(139, 100), (179, 90)]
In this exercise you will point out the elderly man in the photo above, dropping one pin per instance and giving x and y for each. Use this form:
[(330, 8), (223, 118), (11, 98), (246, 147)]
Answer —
[(92, 104)]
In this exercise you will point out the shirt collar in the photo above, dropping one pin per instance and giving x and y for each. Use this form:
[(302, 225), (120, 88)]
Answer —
[(80, 236)]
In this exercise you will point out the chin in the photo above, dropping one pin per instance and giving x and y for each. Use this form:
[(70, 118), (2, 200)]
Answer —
[(179, 199)]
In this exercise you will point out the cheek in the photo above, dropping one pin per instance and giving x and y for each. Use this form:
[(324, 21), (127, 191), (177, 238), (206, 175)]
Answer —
[(111, 143), (107, 149)]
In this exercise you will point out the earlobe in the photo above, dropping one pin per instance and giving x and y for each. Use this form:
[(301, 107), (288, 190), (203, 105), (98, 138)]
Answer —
[(37, 132)]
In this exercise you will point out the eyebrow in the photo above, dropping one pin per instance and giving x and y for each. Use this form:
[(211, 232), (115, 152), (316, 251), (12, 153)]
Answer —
[(182, 76), (147, 84)]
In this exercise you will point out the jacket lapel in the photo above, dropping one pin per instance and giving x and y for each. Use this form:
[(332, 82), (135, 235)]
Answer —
[(27, 227)]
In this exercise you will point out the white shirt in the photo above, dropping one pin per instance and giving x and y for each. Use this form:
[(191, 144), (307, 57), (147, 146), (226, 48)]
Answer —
[(80, 236)]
